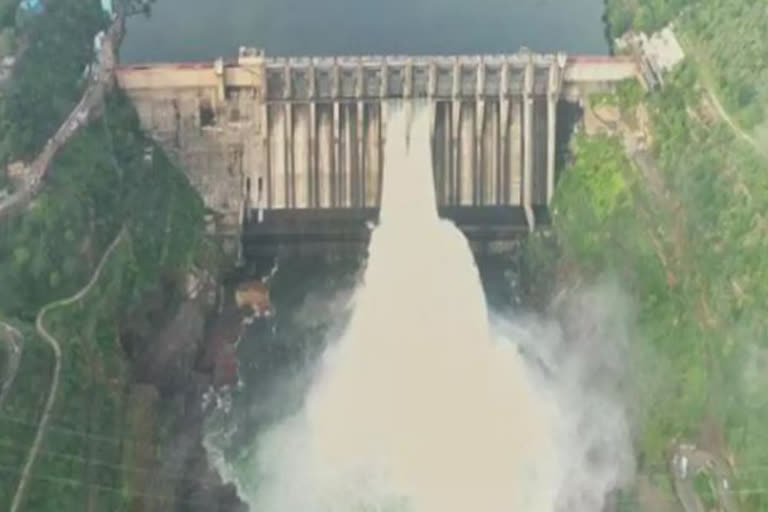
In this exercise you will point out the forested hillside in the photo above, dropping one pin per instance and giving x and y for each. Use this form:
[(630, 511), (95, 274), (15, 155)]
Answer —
[(109, 181), (684, 228), (101, 185), (725, 38)]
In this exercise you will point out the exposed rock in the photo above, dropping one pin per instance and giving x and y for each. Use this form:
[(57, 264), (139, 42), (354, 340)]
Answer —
[(200, 283), (225, 367), (601, 119), (205, 491), (193, 284), (180, 352), (17, 171), (167, 360), (254, 295), (218, 356)]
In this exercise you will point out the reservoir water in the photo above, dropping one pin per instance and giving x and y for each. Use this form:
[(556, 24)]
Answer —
[(206, 29)]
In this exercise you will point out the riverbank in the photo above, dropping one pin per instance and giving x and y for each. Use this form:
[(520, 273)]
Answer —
[(679, 221), (125, 428)]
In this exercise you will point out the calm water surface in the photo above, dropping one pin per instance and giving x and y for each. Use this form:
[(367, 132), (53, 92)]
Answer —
[(206, 29)]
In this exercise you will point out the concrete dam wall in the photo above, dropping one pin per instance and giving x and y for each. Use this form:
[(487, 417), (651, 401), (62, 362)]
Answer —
[(289, 143)]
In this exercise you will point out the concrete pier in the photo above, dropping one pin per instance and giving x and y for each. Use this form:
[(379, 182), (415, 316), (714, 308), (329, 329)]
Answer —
[(454, 183), (504, 153), (335, 184), (467, 149), (553, 95), (478, 176), (528, 146), (325, 158)]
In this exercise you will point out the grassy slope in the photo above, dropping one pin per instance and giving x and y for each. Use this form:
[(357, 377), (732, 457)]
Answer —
[(726, 38)]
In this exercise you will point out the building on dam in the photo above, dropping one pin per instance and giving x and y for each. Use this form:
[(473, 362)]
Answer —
[(284, 148)]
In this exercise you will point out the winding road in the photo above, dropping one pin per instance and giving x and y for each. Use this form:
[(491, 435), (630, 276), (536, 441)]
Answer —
[(690, 48), (731, 123), (99, 84), (689, 461), (56, 348)]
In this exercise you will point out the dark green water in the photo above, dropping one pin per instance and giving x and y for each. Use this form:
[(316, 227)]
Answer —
[(205, 29)]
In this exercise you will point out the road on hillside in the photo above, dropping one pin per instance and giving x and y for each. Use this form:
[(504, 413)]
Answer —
[(687, 462), (690, 49), (99, 83), (56, 348)]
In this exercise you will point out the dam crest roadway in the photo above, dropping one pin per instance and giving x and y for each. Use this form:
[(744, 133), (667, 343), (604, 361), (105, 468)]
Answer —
[(291, 149)]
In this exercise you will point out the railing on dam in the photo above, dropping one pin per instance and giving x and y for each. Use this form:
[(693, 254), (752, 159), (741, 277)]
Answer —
[(374, 77), (307, 134)]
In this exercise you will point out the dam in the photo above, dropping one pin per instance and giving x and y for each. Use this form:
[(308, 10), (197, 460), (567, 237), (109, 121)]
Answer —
[(291, 149)]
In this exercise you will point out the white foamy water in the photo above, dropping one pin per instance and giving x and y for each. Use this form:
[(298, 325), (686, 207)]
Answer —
[(419, 407), (416, 407)]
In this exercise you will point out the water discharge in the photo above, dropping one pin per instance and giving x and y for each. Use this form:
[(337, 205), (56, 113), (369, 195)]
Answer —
[(417, 407)]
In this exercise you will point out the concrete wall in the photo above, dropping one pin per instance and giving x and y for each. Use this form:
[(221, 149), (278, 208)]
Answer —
[(216, 135), (307, 133), (600, 69)]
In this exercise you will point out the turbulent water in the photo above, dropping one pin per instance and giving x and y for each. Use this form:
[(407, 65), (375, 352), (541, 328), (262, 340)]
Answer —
[(420, 406)]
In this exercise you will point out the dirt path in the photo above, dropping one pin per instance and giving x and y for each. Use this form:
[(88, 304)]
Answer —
[(56, 348), (706, 80), (730, 122), (13, 340), (687, 462)]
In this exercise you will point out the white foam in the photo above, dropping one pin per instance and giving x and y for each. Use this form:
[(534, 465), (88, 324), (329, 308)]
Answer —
[(416, 407)]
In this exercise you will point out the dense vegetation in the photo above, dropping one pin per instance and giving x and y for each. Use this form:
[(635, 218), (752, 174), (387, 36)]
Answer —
[(48, 78), (685, 231), (7, 27), (101, 184), (726, 38), (644, 15)]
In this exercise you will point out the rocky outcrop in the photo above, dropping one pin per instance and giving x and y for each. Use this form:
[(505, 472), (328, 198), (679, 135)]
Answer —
[(189, 349), (254, 296), (169, 358)]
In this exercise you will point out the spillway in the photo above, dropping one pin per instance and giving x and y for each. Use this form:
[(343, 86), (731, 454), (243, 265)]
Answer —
[(417, 407), (298, 143)]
